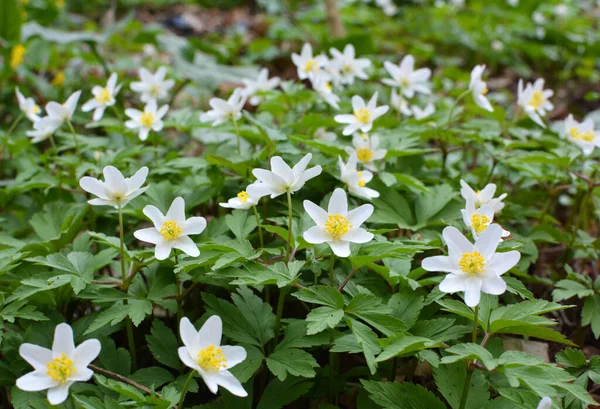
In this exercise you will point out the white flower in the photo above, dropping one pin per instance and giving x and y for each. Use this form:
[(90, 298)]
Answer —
[(561, 10), (481, 197), (323, 135), (366, 150), (261, 84), (355, 179), (388, 7), (473, 268), (337, 226), (363, 115), (281, 178), (171, 230), (479, 219), (307, 65), (406, 77), (545, 403), (423, 113), (325, 90), (348, 66), (59, 368), (223, 111), (204, 353), (150, 119), (116, 190), (400, 104), (534, 100), (242, 201), (513, 3), (103, 97), (478, 87), (43, 129), (152, 86), (63, 112), (28, 106), (582, 134)]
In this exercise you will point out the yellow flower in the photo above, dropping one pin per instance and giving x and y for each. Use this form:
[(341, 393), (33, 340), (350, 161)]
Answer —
[(59, 79), (17, 55)]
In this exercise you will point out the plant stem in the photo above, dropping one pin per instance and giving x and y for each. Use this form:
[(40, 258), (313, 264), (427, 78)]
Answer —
[(94, 49), (460, 97), (582, 206), (178, 292), (117, 113), (475, 324), (128, 325), (186, 385), (465, 392), (331, 270), (123, 273), (14, 125), (123, 379), (260, 233), (282, 293), (131, 343), (289, 241), (74, 137), (237, 133), (347, 279)]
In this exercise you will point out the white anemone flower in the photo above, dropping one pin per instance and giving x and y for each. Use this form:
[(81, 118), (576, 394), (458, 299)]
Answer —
[(59, 368), (149, 120), (422, 113), (171, 230), (323, 135), (473, 268), (479, 219), (348, 66), (103, 97), (43, 129), (405, 77), (582, 134), (325, 90), (363, 115), (243, 201), (337, 226), (116, 190), (28, 106), (366, 149), (223, 111), (400, 104), (535, 100), (281, 178), (203, 352), (545, 403), (63, 112), (355, 179), (307, 65), (479, 89), (152, 86), (481, 197), (261, 84)]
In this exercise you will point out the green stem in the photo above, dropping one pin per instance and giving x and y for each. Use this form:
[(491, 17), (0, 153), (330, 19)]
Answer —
[(94, 49), (475, 324), (117, 113), (128, 325), (282, 293), (123, 272), (131, 342), (14, 125), (289, 241), (582, 206), (237, 134), (331, 270), (466, 386), (178, 292), (74, 137), (260, 233), (460, 97), (186, 385)]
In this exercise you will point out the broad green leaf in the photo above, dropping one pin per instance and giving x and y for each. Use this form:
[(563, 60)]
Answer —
[(393, 395), (291, 361), (470, 351)]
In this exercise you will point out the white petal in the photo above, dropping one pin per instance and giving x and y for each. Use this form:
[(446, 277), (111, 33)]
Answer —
[(63, 341), (210, 333), (502, 262), (440, 263), (86, 352), (194, 225), (187, 245), (545, 403), (493, 285), (453, 283), (233, 354), (155, 215), (358, 235), (281, 169), (82, 374), (185, 357), (137, 180), (35, 355), (340, 248), (488, 241), (472, 291), (163, 249), (301, 165), (338, 203), (36, 381), (316, 235), (114, 180), (229, 382), (457, 242), (188, 334), (58, 394), (358, 216), (315, 212)]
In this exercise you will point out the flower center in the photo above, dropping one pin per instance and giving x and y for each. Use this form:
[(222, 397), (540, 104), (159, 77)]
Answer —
[(60, 369), (147, 119), (337, 225), (484, 91), (170, 230), (361, 181), (472, 263), (35, 109), (211, 359), (364, 154), (363, 115), (479, 222), (347, 69), (104, 96), (154, 90), (582, 136), (404, 82), (537, 99), (311, 65), (243, 196), (17, 55), (328, 87)]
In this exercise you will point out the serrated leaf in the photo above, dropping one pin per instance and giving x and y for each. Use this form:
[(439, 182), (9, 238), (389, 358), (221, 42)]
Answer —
[(291, 361), (392, 395), (163, 344)]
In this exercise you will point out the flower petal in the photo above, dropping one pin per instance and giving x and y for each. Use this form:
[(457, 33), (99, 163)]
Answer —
[(229, 382), (137, 180), (115, 182), (211, 332), (36, 381), (492, 284), (82, 374), (502, 262), (359, 215), (188, 334), (35, 355), (149, 235), (280, 168), (163, 249), (185, 357), (233, 354), (472, 291), (154, 215), (194, 225), (340, 248), (440, 263), (59, 394), (187, 245), (315, 212), (316, 235), (457, 242), (63, 341), (338, 203), (87, 351), (358, 235), (488, 241), (453, 283)]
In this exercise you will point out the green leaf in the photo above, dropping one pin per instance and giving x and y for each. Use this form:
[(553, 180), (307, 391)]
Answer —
[(322, 295), (278, 394), (10, 21), (370, 309), (113, 316), (321, 318), (405, 345), (406, 305), (367, 340), (450, 381), (246, 369), (153, 377), (241, 223), (19, 309), (163, 344), (58, 219), (565, 289), (79, 265), (470, 351), (121, 388), (291, 361), (590, 314), (392, 395), (571, 358)]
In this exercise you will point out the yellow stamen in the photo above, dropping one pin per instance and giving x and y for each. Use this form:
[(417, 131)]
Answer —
[(364, 136), (35, 109), (170, 230), (472, 263), (404, 82), (337, 225), (104, 96), (361, 181), (328, 87), (484, 91), (364, 154), (582, 136), (211, 359), (147, 119), (61, 369), (311, 65), (537, 99), (479, 222), (363, 115), (59, 79), (17, 55), (243, 196)]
